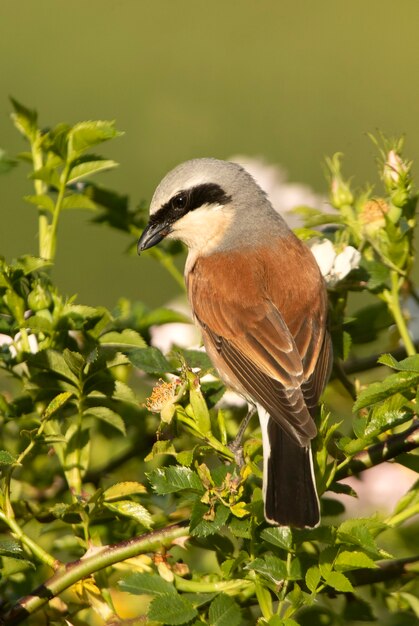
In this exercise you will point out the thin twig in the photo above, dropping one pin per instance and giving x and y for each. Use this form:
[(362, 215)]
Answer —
[(387, 570), (382, 451)]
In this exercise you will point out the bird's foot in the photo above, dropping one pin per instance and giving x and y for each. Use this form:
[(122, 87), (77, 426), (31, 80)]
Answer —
[(236, 445), (237, 449)]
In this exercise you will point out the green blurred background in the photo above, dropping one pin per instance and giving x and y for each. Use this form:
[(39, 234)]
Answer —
[(288, 80)]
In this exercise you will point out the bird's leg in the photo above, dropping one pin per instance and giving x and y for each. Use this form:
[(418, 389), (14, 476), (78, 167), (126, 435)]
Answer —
[(236, 445)]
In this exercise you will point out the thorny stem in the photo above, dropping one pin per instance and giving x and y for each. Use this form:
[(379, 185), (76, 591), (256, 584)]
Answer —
[(69, 574), (226, 586)]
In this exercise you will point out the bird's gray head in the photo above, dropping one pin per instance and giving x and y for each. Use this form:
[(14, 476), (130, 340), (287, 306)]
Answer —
[(197, 202)]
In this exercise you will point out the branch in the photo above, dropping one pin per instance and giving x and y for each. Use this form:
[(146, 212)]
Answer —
[(380, 452), (88, 565), (387, 570)]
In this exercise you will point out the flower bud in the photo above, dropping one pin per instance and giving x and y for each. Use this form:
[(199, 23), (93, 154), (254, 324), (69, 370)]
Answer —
[(396, 177), (340, 193), (39, 298)]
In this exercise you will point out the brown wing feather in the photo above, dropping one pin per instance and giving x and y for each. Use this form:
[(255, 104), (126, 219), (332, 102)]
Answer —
[(264, 327)]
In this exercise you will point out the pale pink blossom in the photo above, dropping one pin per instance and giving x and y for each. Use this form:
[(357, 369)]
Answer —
[(283, 195), (378, 489)]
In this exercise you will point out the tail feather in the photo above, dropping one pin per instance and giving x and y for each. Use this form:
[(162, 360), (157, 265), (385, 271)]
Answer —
[(288, 479)]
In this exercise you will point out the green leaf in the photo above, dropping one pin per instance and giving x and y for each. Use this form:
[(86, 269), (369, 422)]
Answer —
[(120, 490), (338, 581), (75, 361), (54, 361), (42, 201), (224, 611), (379, 275), (347, 560), (78, 201), (271, 567), (240, 528), (163, 446), (199, 599), (24, 119), (382, 420), (395, 383), (88, 169), (197, 359), (127, 338), (326, 560), (313, 578), (11, 548), (174, 478), (86, 134), (149, 584), (6, 458), (48, 175), (280, 536), (16, 305), (150, 360), (410, 364), (358, 532), (160, 316), (201, 527), (29, 264), (105, 414), (199, 406), (131, 509), (57, 403), (412, 601), (6, 163), (185, 457), (171, 609)]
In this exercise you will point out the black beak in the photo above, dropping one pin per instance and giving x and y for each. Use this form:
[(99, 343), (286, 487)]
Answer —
[(152, 235)]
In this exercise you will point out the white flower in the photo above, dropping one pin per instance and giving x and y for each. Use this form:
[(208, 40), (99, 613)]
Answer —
[(325, 255), (15, 344), (345, 262), (283, 195), (334, 266)]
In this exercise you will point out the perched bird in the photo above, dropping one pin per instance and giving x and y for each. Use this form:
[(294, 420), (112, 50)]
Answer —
[(260, 301)]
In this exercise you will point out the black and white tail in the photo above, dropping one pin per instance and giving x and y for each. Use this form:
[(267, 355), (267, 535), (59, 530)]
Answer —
[(289, 487)]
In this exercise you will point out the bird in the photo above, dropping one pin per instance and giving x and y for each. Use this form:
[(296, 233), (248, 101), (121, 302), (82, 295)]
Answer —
[(260, 301)]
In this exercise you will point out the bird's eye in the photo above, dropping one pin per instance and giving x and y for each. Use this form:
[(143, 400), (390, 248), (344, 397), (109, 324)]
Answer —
[(179, 201)]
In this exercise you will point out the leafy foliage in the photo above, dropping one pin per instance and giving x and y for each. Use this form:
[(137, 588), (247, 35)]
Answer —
[(94, 473)]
